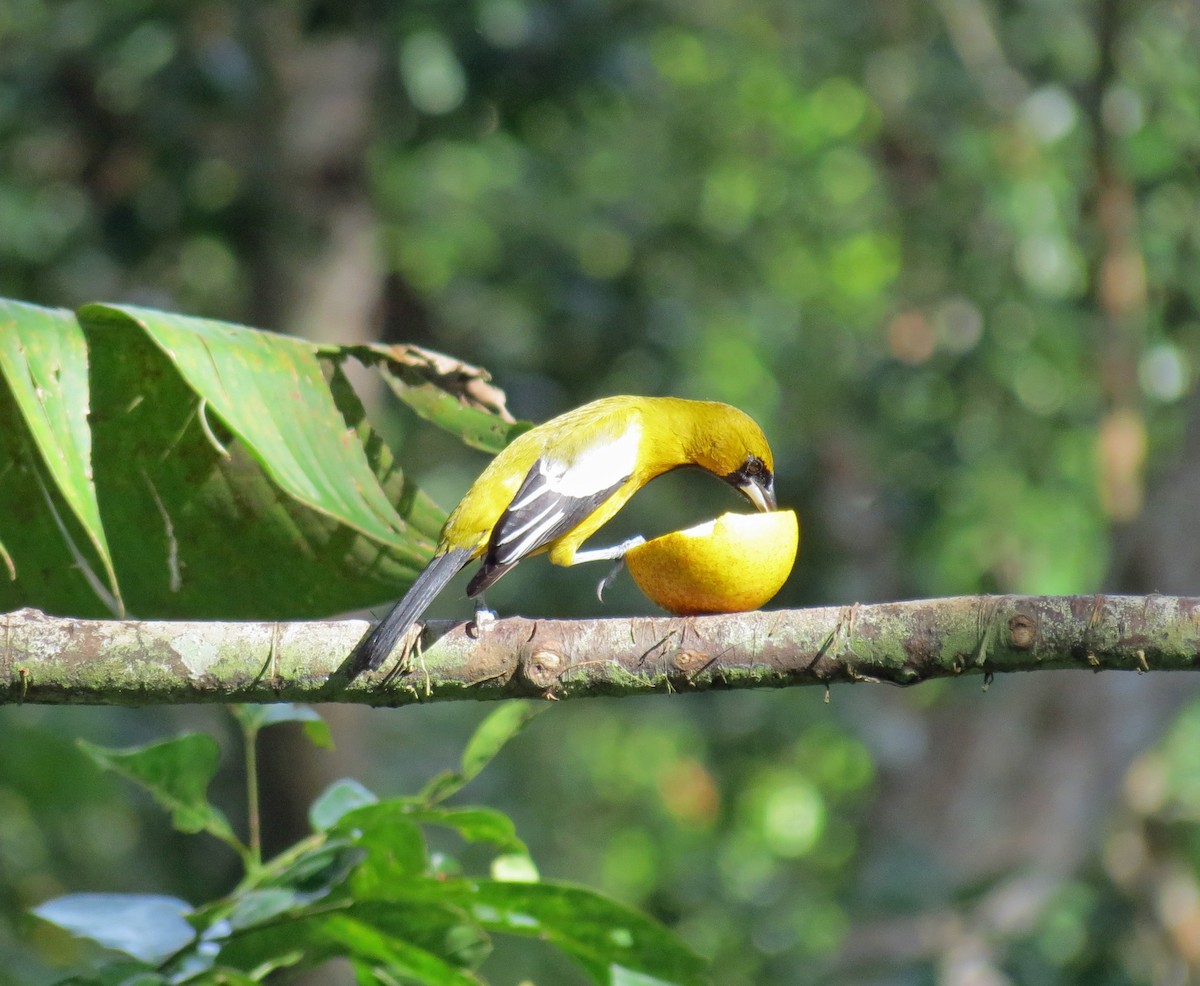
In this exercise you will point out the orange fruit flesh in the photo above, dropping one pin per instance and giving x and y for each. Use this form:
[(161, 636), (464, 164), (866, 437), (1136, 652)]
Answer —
[(729, 565)]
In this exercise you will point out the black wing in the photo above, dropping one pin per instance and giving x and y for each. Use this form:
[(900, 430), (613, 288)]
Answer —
[(541, 511)]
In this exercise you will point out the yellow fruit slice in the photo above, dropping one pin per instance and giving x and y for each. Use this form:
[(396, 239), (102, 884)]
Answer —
[(728, 565)]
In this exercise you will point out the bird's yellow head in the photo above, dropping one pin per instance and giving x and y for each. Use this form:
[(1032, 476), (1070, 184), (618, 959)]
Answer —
[(731, 445)]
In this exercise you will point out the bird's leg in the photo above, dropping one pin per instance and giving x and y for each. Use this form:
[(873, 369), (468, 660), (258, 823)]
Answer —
[(483, 619), (617, 551), (615, 554)]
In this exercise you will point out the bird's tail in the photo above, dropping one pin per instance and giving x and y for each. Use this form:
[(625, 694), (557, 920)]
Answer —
[(375, 647)]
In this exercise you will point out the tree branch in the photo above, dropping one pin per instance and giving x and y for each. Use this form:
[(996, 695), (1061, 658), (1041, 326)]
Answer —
[(65, 661)]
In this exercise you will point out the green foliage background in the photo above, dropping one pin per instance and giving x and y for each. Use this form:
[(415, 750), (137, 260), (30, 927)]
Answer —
[(945, 252)]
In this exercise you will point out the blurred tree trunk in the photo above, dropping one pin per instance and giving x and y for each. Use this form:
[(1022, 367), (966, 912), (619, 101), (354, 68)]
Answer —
[(1008, 791), (321, 268)]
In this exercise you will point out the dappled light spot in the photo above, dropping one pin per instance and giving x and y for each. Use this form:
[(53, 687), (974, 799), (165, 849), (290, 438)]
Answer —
[(432, 74), (1122, 442), (793, 818), (1165, 372), (689, 793), (911, 338), (1050, 113)]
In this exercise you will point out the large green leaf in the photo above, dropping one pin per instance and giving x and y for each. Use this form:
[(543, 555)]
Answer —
[(43, 362), (223, 519), (223, 457), (270, 391)]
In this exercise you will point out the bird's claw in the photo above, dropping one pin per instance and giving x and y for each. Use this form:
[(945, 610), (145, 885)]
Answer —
[(610, 578), (482, 620), (619, 564)]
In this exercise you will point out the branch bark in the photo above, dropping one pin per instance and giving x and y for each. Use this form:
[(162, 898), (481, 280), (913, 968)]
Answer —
[(57, 660)]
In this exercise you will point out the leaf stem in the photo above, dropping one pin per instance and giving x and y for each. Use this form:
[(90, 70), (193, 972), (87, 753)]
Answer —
[(254, 818)]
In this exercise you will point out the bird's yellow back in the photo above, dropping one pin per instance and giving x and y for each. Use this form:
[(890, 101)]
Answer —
[(634, 439)]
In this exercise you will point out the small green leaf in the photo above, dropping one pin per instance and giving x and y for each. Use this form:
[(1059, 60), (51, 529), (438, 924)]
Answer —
[(319, 734), (319, 872), (489, 739), (443, 865), (367, 945), (285, 943), (259, 906), (256, 717), (379, 934), (599, 933), (495, 731), (474, 825), (147, 926), (466, 946), (177, 773), (437, 928), (395, 847), (606, 938), (336, 800)]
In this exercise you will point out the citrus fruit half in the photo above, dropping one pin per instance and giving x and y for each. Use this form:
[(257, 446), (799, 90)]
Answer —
[(728, 565)]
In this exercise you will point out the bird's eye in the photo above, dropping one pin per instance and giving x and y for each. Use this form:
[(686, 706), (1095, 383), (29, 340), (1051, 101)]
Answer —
[(754, 468)]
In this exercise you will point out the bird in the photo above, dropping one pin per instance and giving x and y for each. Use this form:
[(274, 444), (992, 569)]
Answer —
[(555, 485)]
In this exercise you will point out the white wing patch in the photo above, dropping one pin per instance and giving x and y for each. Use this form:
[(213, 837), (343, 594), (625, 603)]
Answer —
[(595, 467), (557, 494)]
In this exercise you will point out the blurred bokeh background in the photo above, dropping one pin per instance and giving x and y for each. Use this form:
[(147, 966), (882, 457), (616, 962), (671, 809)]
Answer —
[(948, 254)]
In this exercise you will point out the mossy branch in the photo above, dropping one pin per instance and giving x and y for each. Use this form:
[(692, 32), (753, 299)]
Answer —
[(65, 661)]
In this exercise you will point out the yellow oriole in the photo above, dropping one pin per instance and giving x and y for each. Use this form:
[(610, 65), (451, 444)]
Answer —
[(554, 486)]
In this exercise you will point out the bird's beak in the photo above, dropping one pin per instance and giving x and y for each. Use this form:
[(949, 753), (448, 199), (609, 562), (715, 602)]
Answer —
[(761, 494)]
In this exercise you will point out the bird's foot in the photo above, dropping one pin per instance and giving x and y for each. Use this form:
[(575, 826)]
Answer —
[(482, 620), (610, 578), (618, 552)]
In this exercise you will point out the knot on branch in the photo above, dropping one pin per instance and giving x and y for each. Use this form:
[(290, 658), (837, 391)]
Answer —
[(544, 666), (689, 662), (1022, 632)]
